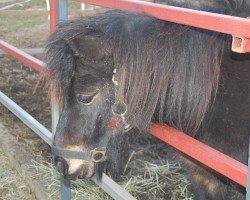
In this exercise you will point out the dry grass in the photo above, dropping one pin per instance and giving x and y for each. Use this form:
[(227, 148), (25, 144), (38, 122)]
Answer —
[(81, 189), (12, 184), (152, 181), (157, 181)]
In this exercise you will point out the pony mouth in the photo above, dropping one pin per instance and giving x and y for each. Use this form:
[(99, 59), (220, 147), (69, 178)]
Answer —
[(72, 169), (81, 173)]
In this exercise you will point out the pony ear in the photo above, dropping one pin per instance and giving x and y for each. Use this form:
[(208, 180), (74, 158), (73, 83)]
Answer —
[(94, 54), (88, 47)]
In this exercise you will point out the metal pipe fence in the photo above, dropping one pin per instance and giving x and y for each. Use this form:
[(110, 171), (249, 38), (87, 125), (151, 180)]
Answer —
[(238, 27), (212, 158), (31, 61), (31, 51), (233, 25)]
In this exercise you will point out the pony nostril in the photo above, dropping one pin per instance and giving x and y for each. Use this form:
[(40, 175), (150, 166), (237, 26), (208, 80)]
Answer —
[(66, 170), (61, 166)]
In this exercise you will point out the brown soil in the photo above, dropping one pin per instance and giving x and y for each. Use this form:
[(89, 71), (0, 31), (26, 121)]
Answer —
[(18, 82), (23, 85)]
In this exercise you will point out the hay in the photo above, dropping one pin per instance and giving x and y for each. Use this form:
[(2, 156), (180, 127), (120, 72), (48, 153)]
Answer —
[(146, 180), (157, 181), (12, 184), (81, 189)]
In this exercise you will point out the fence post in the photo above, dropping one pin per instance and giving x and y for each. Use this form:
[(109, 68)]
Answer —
[(65, 189), (58, 12), (62, 10)]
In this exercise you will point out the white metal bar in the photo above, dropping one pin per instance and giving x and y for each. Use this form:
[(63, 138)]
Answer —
[(30, 121), (62, 10), (83, 7), (31, 51), (65, 189), (113, 189)]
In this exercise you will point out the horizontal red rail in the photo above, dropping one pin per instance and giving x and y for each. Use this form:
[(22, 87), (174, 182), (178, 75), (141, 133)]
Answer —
[(206, 20), (23, 57), (212, 158)]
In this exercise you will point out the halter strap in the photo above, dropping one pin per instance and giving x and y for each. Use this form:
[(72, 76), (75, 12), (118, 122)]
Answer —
[(117, 104), (96, 155)]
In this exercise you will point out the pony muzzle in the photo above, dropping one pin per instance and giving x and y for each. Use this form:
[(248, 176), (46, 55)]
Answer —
[(77, 164)]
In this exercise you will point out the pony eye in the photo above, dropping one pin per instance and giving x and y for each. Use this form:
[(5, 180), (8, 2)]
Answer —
[(85, 99)]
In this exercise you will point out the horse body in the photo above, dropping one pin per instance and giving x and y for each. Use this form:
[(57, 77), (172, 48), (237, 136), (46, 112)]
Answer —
[(165, 72), (226, 129)]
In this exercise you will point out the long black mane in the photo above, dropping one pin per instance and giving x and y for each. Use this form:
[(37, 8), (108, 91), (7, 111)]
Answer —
[(166, 67)]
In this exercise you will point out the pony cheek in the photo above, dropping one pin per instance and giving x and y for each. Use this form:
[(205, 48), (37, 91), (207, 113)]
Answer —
[(118, 155)]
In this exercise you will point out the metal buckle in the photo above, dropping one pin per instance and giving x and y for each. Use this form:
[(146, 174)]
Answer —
[(122, 106), (98, 155)]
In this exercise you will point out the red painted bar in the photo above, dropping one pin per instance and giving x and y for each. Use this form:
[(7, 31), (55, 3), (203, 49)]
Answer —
[(23, 57), (216, 22), (212, 158), (53, 15)]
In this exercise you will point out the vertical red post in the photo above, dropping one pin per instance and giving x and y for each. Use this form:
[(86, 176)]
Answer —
[(53, 15)]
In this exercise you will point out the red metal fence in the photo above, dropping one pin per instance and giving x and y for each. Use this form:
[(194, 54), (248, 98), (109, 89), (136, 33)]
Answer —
[(238, 27), (212, 158), (23, 57)]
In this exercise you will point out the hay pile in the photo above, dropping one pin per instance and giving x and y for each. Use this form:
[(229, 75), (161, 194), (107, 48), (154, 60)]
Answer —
[(144, 180), (12, 184)]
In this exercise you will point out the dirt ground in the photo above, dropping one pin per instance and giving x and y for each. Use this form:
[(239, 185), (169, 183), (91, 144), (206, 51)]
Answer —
[(17, 81)]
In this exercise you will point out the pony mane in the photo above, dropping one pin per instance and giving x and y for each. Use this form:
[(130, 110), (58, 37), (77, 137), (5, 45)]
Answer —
[(166, 72)]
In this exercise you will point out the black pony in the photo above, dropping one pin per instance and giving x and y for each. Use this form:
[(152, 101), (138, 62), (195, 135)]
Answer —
[(117, 70)]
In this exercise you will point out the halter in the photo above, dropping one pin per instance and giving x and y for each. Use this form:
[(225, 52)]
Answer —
[(98, 154), (116, 113)]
